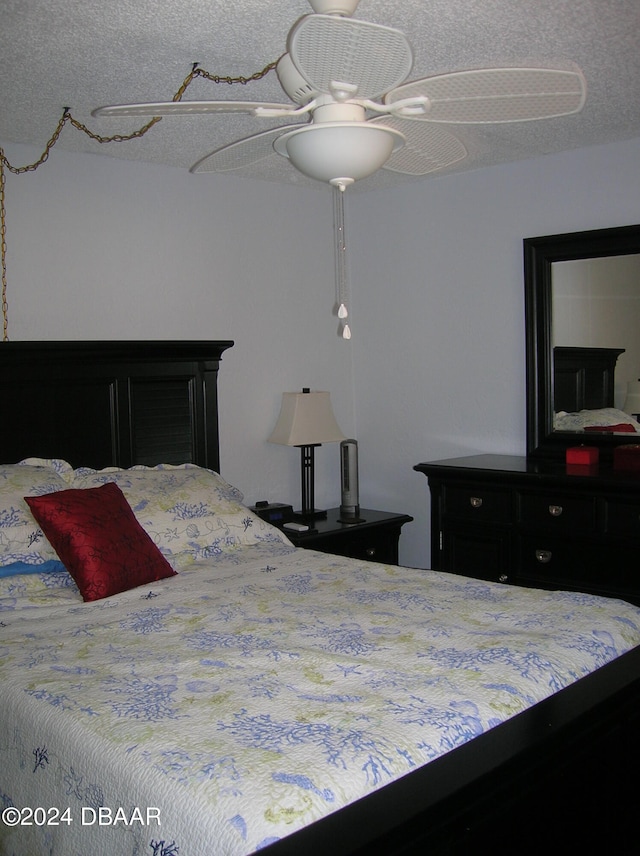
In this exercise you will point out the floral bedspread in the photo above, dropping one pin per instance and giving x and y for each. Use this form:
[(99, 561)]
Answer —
[(221, 709)]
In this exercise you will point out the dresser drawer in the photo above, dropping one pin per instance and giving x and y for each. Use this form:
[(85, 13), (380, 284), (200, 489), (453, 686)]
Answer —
[(580, 566), (622, 518), (544, 559), (476, 551), (557, 512), (477, 503)]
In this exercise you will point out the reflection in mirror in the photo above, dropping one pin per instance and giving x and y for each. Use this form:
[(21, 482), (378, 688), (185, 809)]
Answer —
[(596, 304), (582, 314)]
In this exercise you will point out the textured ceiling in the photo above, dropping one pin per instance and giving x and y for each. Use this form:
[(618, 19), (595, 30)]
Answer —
[(83, 54)]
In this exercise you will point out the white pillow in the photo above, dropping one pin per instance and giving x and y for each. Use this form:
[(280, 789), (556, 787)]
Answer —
[(185, 508), (21, 539)]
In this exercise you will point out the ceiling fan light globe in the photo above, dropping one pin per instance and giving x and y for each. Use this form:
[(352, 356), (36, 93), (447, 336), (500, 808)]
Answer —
[(334, 7), (341, 152)]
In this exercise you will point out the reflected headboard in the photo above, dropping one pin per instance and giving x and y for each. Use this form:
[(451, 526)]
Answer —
[(104, 404), (584, 378)]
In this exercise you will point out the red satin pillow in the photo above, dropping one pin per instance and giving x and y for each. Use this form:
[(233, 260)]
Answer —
[(621, 428), (98, 539)]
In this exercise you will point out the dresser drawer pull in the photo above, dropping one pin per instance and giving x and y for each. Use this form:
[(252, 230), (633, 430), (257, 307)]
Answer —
[(543, 556), (476, 501), (503, 578), (555, 510), (370, 551)]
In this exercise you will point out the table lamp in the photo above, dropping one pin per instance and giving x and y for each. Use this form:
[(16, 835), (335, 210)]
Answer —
[(306, 420)]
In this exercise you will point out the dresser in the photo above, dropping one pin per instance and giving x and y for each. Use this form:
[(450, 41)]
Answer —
[(536, 523)]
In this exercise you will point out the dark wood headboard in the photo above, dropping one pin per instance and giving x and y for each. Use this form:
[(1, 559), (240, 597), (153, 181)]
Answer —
[(584, 378), (104, 404)]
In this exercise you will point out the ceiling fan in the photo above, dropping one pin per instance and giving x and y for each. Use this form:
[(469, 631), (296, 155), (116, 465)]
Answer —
[(347, 79)]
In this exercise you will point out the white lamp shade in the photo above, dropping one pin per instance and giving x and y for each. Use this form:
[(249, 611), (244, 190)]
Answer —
[(306, 419), (632, 401), (339, 152)]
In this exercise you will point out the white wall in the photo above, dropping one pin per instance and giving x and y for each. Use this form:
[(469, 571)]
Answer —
[(105, 249), (438, 311), (100, 248)]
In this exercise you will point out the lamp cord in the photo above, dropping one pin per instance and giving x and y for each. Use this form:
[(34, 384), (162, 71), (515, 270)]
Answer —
[(66, 117)]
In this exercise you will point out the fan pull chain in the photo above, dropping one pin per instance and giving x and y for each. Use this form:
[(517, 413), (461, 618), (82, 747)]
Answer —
[(341, 273), (196, 71)]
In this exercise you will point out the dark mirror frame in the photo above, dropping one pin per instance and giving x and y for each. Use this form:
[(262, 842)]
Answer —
[(539, 256)]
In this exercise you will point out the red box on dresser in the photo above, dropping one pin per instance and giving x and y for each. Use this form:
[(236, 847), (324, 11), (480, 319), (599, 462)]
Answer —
[(627, 457), (582, 455)]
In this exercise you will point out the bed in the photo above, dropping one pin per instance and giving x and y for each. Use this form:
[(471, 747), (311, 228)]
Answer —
[(224, 692)]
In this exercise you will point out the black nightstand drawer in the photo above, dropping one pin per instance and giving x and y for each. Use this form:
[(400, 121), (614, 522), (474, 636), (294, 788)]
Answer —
[(375, 538), (373, 546)]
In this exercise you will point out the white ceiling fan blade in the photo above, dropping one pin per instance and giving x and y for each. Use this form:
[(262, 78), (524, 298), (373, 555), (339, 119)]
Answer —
[(185, 108), (428, 148), (329, 50), (244, 152), (493, 95)]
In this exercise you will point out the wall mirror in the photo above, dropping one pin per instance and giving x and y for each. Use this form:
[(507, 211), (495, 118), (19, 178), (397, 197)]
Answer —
[(582, 315)]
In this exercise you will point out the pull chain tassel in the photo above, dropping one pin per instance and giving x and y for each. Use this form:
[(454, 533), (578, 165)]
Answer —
[(341, 277)]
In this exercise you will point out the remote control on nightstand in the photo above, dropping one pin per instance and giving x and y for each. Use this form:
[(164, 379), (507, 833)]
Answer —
[(296, 527)]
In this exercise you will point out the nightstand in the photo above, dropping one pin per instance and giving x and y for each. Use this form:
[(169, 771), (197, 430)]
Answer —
[(375, 538)]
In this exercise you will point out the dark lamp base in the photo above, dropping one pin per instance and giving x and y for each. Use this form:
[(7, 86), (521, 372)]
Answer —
[(306, 516)]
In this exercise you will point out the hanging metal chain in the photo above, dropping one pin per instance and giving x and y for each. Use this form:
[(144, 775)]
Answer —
[(214, 78), (196, 71), (3, 245)]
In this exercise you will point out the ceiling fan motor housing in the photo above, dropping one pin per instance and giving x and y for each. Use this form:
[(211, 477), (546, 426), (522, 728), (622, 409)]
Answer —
[(294, 84)]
